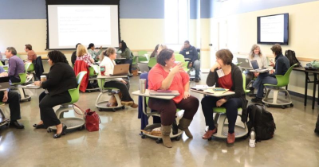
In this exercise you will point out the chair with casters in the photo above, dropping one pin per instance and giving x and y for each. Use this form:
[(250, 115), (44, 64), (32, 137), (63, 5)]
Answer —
[(73, 122), (93, 71), (20, 90), (103, 104), (180, 58), (141, 53), (282, 81), (152, 62), (241, 129), (29, 68)]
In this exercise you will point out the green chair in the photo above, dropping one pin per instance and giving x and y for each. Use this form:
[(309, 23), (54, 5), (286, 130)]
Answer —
[(220, 119), (141, 53), (23, 79), (93, 71), (282, 81), (180, 58), (152, 62), (29, 68), (110, 91), (72, 122), (1, 64), (141, 58)]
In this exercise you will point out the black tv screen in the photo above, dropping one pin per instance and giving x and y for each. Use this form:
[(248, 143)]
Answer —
[(273, 29)]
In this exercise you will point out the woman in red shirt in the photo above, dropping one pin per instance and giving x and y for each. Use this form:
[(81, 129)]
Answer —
[(232, 80), (167, 75)]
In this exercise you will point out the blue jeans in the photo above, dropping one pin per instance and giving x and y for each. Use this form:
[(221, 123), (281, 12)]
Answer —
[(196, 66), (262, 79)]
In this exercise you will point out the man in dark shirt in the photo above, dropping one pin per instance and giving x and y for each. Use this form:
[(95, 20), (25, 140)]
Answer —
[(73, 57), (190, 52), (281, 67)]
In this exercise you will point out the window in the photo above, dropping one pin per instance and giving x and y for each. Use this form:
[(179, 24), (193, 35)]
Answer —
[(176, 21)]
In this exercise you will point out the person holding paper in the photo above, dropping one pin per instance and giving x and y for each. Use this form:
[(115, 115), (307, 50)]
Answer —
[(166, 75), (281, 67), (95, 55), (189, 51), (107, 60), (226, 75)]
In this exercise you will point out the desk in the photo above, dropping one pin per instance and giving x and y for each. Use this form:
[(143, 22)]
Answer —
[(307, 80), (187, 59), (228, 93)]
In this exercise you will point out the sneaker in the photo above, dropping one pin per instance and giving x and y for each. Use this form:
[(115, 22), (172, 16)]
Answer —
[(231, 138), (256, 100), (196, 80)]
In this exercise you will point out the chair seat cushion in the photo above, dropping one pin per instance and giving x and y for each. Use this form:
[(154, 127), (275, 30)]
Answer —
[(222, 110)]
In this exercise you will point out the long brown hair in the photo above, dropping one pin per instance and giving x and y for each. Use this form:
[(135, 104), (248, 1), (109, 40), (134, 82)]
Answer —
[(252, 54), (107, 52)]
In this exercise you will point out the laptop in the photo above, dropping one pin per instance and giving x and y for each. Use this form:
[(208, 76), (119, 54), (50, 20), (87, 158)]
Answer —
[(164, 93), (255, 66), (4, 83), (121, 69), (244, 62)]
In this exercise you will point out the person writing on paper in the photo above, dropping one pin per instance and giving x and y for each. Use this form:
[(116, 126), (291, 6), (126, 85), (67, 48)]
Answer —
[(281, 67), (166, 75), (255, 54), (82, 54), (95, 55), (60, 79), (226, 75), (108, 58)]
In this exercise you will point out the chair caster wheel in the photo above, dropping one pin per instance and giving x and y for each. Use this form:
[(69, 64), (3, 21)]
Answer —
[(49, 130), (209, 139), (143, 136), (283, 107), (99, 109), (267, 105), (178, 138), (291, 105), (123, 107), (158, 141)]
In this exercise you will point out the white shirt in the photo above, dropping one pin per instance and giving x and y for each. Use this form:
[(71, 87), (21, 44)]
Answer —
[(109, 66), (262, 61)]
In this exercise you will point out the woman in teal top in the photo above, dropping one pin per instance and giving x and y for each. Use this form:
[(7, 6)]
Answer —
[(126, 53), (93, 53)]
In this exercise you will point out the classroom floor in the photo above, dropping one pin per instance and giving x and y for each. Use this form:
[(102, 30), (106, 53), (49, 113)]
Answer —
[(118, 143)]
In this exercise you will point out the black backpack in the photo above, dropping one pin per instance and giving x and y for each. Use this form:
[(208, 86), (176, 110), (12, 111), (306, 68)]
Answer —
[(262, 121), (290, 54)]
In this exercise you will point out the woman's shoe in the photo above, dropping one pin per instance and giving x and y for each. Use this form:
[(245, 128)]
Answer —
[(127, 103), (39, 126), (231, 138), (134, 105), (62, 133), (209, 134)]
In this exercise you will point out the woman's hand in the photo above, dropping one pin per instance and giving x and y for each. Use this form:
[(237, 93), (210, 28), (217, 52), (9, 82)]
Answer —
[(123, 81), (177, 68), (37, 83), (271, 71), (215, 66), (5, 97), (220, 102), (186, 94)]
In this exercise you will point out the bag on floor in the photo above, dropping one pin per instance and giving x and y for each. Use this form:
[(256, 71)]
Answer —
[(92, 120), (317, 126), (262, 121), (290, 54)]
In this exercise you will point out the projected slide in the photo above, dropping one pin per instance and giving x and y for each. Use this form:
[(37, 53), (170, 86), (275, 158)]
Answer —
[(72, 24), (272, 29)]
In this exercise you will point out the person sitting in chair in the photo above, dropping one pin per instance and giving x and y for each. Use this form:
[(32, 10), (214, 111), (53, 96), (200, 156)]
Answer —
[(189, 51), (166, 75), (60, 79), (16, 65), (281, 67)]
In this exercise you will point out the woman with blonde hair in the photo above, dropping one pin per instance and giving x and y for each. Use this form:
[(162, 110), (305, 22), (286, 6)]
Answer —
[(158, 49), (82, 54), (107, 60)]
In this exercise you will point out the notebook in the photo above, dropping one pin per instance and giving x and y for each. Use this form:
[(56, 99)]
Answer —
[(255, 66), (164, 93)]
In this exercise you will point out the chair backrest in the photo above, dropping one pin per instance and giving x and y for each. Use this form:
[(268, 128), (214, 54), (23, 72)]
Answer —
[(142, 58), (29, 67), (92, 71), (134, 61), (244, 82), (180, 58), (1, 63), (23, 78), (152, 62), (141, 53), (75, 93), (283, 80)]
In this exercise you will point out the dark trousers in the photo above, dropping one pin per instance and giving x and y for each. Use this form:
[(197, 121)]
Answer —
[(129, 61), (167, 108), (14, 104), (232, 105), (122, 87), (46, 105), (14, 79)]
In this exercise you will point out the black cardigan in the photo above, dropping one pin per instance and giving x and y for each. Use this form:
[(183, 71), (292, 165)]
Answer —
[(237, 87), (60, 79)]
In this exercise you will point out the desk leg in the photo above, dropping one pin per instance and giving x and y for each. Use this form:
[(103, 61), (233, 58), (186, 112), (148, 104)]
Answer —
[(314, 91), (306, 89)]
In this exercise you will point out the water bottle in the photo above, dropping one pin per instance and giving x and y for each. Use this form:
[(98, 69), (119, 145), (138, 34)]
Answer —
[(252, 140), (102, 69)]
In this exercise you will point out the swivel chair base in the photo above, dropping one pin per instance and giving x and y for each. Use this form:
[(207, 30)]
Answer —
[(102, 105), (275, 101), (149, 128), (23, 95), (3, 120), (71, 122)]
